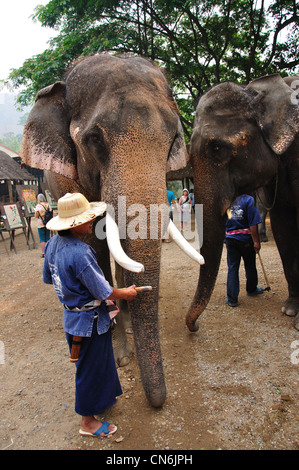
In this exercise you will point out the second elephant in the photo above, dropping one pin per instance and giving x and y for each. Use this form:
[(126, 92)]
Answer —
[(245, 138)]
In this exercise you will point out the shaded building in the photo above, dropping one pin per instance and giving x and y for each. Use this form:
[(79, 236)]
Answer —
[(11, 175)]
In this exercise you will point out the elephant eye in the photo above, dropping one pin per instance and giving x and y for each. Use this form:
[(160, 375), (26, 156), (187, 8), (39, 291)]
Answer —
[(220, 152), (216, 148), (94, 140)]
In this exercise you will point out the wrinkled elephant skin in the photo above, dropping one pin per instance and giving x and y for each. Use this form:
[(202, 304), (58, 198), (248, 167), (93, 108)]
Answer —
[(113, 129), (245, 138)]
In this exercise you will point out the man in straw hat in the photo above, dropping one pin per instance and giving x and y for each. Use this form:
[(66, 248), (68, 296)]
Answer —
[(71, 266)]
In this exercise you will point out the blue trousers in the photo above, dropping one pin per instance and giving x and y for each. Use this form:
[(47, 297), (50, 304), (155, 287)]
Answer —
[(97, 382), (236, 250)]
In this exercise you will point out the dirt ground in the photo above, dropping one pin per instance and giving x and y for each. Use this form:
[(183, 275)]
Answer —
[(233, 385)]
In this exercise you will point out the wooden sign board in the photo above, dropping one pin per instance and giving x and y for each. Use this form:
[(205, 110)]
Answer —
[(12, 216), (28, 197)]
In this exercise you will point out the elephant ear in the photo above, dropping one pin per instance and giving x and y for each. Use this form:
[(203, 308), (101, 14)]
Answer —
[(46, 142), (178, 155), (276, 111)]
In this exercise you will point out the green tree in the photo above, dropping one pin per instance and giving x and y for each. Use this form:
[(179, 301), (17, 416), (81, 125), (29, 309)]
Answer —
[(12, 141), (198, 43)]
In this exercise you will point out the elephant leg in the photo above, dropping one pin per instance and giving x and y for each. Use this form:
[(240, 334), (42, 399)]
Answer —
[(262, 226), (121, 347), (286, 234), (123, 304), (263, 213)]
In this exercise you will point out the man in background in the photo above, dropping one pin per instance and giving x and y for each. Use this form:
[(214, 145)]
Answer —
[(242, 241)]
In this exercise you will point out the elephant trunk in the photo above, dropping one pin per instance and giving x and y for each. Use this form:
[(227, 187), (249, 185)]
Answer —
[(138, 252), (214, 220), (144, 317)]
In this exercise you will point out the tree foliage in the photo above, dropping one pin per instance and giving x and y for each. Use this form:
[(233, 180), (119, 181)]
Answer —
[(12, 141), (197, 42)]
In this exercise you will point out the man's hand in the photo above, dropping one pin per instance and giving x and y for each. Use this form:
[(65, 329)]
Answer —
[(128, 293), (257, 246), (256, 239)]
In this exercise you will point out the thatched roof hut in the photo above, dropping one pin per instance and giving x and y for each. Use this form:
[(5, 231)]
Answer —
[(12, 174)]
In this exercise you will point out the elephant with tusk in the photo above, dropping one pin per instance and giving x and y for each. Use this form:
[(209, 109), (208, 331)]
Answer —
[(112, 130)]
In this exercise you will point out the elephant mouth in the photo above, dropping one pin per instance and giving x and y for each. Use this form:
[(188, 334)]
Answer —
[(119, 255)]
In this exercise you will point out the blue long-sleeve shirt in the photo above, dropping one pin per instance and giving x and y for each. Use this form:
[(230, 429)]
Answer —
[(71, 266)]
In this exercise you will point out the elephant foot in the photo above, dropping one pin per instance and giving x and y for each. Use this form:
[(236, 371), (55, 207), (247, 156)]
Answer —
[(122, 354), (124, 361), (291, 306)]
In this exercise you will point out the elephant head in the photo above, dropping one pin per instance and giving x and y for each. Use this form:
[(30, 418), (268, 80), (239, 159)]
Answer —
[(112, 131), (240, 136)]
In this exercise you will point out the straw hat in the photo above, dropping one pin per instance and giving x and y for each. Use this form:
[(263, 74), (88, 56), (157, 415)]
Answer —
[(74, 209)]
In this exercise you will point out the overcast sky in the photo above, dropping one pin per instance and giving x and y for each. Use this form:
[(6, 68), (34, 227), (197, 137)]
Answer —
[(20, 37)]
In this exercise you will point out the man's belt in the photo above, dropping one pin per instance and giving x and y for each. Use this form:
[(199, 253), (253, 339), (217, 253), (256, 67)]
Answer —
[(241, 231), (112, 310), (77, 340), (86, 308)]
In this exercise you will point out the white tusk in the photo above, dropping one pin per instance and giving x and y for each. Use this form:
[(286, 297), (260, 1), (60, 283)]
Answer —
[(116, 249), (178, 238)]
